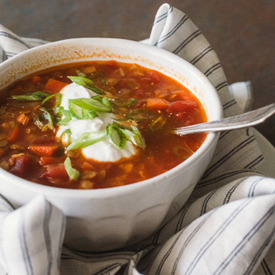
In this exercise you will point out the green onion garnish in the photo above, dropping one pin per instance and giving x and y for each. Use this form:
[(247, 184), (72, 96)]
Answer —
[(157, 123), (132, 134), (135, 136), (68, 133), (116, 134), (125, 103), (72, 173), (46, 115), (86, 139), (67, 117), (140, 114), (103, 81), (87, 83), (58, 99), (32, 97), (89, 104), (79, 73), (179, 148), (131, 102)]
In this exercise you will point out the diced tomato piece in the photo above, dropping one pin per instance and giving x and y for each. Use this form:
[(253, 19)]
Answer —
[(15, 134), (55, 85), (138, 94), (180, 95), (55, 171), (151, 77), (36, 79), (157, 103), (50, 160), (44, 150), (23, 165), (111, 64), (155, 77), (141, 104), (181, 106), (43, 140), (185, 118)]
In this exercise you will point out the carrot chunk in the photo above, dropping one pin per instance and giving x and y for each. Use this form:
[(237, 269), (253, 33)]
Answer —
[(44, 150), (36, 79), (2, 152), (55, 85), (157, 103), (15, 134)]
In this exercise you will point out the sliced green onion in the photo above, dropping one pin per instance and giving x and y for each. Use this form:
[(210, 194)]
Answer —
[(47, 115), (90, 104), (116, 134), (32, 97), (137, 138), (38, 122), (103, 81), (157, 123), (75, 110), (132, 134), (86, 139), (58, 99), (72, 173), (140, 114), (177, 150), (97, 97), (131, 102), (89, 114), (79, 73), (87, 83), (61, 112), (68, 133), (67, 117)]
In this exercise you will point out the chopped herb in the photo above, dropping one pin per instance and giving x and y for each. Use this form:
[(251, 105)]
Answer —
[(86, 139), (87, 83), (47, 115), (77, 106), (116, 134), (58, 99), (178, 154), (68, 133), (79, 73), (32, 97), (140, 114), (132, 134), (72, 173), (158, 123)]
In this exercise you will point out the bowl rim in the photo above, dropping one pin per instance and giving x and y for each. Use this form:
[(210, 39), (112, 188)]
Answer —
[(111, 191)]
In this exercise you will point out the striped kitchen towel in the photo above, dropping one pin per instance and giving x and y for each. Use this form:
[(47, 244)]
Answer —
[(227, 226)]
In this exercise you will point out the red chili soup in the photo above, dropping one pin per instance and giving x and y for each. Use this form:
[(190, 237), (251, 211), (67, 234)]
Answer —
[(53, 124)]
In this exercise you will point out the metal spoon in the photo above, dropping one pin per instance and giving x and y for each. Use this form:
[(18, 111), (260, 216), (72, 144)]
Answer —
[(230, 123)]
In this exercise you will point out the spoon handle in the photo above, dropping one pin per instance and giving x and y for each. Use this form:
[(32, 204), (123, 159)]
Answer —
[(230, 123)]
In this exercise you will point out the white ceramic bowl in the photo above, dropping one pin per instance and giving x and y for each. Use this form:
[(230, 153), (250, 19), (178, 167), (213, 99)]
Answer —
[(112, 218)]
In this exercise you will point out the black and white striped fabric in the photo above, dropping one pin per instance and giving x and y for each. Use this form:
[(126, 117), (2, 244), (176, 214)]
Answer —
[(227, 226)]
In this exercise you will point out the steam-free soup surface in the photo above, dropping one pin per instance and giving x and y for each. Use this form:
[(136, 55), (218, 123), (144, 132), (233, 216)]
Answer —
[(96, 125)]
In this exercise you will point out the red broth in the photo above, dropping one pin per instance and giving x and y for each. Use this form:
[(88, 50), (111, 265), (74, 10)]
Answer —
[(145, 99)]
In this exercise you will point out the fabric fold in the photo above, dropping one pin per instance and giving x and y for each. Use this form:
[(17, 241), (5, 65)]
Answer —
[(31, 238)]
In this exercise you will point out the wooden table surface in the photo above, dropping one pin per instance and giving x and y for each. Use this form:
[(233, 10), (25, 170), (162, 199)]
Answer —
[(241, 32)]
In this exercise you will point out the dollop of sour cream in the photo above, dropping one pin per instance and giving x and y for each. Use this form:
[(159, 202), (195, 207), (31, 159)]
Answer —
[(104, 150)]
